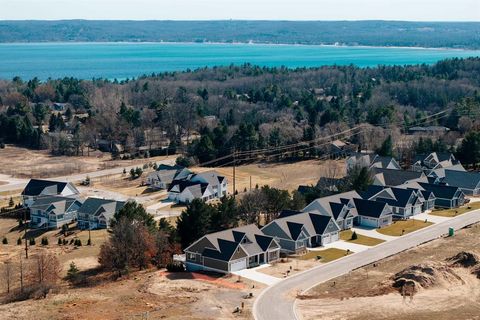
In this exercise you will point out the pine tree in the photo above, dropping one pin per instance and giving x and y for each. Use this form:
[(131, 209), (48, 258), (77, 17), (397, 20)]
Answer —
[(5, 241), (354, 236), (19, 241)]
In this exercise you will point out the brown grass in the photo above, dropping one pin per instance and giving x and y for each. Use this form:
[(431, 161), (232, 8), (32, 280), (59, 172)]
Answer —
[(346, 235), (401, 227)]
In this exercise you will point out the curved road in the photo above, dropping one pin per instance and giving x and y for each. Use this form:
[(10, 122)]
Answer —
[(278, 301)]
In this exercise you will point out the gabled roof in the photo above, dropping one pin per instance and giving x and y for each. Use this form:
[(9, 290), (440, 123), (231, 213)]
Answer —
[(397, 197), (288, 213), (393, 177), (92, 205), (225, 243), (369, 208), (211, 177), (441, 191), (35, 187), (462, 179), (55, 204), (332, 205), (184, 184)]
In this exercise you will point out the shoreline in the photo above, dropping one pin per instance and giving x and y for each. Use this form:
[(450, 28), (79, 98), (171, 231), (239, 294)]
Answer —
[(206, 43)]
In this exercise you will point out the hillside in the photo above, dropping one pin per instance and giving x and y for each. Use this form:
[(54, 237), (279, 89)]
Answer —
[(368, 33)]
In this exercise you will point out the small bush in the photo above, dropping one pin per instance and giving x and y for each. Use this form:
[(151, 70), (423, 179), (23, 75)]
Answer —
[(72, 273), (19, 241), (72, 241), (31, 241), (354, 236), (78, 243), (44, 241), (89, 242), (175, 267), (65, 242), (59, 242), (5, 241)]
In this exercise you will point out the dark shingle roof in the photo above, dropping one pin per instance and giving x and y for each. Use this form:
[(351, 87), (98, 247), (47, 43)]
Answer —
[(440, 191), (394, 177), (36, 186), (369, 208), (91, 205), (320, 222), (288, 213), (462, 179)]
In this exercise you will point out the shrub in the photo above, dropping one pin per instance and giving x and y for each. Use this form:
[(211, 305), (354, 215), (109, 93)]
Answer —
[(78, 243), (184, 162), (72, 241), (2, 145), (354, 236), (19, 241), (59, 241), (5, 241), (11, 203), (72, 273), (89, 242), (65, 242), (175, 267), (44, 241), (31, 241)]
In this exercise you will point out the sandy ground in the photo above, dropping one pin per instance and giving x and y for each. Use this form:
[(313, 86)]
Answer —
[(367, 293), (24, 163), (143, 295), (284, 176)]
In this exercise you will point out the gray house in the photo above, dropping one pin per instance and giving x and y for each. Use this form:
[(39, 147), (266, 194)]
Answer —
[(37, 188), (298, 232), (394, 177), (404, 202), (371, 160), (435, 160), (96, 213), (445, 196), (340, 207), (52, 212), (468, 182), (373, 213), (232, 250), (165, 174)]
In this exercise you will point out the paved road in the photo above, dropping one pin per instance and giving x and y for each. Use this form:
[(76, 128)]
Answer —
[(20, 184), (278, 301)]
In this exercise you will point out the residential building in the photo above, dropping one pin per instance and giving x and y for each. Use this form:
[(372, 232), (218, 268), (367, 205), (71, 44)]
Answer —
[(394, 177), (297, 232), (232, 250), (37, 188), (374, 214), (96, 213), (340, 207), (165, 174), (445, 196), (404, 202), (51, 212), (468, 182), (434, 160), (206, 186), (371, 160)]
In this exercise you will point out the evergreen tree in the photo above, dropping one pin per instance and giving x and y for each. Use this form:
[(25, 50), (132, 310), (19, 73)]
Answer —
[(194, 222), (386, 149)]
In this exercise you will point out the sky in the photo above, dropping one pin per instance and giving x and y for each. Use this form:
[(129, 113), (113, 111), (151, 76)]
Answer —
[(413, 10)]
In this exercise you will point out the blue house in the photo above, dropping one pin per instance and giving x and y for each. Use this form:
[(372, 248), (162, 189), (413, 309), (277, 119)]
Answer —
[(52, 212)]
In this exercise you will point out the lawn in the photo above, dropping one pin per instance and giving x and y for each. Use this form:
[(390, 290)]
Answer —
[(402, 227), (457, 211), (361, 239), (326, 255)]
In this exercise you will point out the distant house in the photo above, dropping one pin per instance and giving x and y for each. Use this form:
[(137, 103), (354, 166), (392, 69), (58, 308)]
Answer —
[(394, 177), (339, 148), (404, 202), (165, 174), (96, 213), (428, 130), (373, 213), (296, 233), (232, 250), (206, 186), (340, 207), (468, 182), (36, 189), (445, 196), (51, 212), (371, 160), (434, 160)]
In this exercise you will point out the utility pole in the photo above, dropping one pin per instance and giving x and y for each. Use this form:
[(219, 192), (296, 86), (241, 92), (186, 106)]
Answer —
[(250, 183), (25, 231), (234, 162)]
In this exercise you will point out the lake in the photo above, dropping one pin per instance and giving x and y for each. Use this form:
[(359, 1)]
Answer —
[(127, 60)]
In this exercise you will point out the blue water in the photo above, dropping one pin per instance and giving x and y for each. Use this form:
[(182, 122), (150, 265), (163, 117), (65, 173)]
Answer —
[(127, 60)]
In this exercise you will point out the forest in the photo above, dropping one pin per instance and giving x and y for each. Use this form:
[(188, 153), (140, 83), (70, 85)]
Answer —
[(368, 33), (210, 112)]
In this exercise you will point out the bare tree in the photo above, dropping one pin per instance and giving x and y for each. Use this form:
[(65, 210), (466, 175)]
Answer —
[(7, 274)]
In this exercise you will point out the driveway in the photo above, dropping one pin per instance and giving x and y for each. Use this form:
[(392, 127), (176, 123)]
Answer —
[(431, 218), (369, 232), (254, 275), (277, 302), (344, 245)]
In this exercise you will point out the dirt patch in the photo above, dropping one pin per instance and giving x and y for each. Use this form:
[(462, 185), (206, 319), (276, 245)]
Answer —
[(424, 276), (444, 287)]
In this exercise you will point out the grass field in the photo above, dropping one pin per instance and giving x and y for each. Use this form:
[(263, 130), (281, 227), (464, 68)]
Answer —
[(457, 211), (326, 255), (361, 239), (401, 227)]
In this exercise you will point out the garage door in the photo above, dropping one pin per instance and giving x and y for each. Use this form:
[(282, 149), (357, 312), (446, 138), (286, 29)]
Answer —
[(369, 222), (238, 265)]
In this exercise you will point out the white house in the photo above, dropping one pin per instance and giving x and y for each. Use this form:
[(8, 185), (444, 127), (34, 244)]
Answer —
[(36, 189)]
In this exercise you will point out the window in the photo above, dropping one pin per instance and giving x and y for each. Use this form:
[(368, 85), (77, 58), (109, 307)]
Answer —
[(191, 256)]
